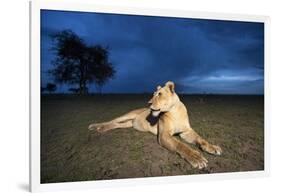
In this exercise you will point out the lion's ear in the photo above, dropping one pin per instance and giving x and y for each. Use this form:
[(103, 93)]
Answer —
[(159, 87), (171, 86)]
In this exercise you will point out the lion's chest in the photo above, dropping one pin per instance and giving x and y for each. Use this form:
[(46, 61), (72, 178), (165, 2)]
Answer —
[(145, 122), (179, 123)]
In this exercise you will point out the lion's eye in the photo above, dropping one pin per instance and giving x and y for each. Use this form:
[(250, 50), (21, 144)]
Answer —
[(159, 93)]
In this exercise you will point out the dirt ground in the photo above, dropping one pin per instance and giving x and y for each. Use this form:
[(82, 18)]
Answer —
[(69, 152)]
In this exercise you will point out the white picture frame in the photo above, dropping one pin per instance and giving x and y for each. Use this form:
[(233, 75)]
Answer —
[(36, 6)]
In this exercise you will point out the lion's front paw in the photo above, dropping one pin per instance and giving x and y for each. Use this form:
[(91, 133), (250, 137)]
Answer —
[(197, 160), (213, 149)]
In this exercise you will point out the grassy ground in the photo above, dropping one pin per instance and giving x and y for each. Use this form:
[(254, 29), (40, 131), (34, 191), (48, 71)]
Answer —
[(69, 152)]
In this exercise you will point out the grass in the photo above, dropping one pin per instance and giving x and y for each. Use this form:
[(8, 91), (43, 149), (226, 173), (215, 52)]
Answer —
[(69, 152)]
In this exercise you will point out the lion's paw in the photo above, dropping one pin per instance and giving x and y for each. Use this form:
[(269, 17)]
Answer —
[(197, 160), (213, 149), (95, 126)]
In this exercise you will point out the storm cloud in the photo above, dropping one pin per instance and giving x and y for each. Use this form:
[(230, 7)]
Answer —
[(200, 56)]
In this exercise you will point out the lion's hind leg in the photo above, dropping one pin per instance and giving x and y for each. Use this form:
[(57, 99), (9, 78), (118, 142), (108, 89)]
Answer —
[(124, 121), (115, 125), (107, 126)]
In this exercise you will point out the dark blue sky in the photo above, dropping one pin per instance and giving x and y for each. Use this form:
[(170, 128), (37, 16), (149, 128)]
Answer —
[(200, 56)]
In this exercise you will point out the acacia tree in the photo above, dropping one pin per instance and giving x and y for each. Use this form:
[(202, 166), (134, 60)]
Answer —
[(76, 63), (102, 72)]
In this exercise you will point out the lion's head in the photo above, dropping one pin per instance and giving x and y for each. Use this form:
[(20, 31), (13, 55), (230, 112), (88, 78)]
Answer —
[(164, 98)]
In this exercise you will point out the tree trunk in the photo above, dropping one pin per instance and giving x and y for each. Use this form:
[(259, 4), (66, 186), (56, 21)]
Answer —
[(100, 89), (80, 87), (84, 87), (83, 84)]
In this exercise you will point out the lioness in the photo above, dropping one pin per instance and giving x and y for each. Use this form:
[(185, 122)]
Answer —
[(165, 117)]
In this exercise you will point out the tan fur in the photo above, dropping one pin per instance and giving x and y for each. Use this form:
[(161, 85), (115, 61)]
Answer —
[(166, 117)]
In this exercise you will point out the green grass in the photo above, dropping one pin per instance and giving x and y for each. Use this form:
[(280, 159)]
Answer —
[(69, 152)]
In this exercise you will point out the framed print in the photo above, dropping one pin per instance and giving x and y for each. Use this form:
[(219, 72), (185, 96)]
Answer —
[(123, 96)]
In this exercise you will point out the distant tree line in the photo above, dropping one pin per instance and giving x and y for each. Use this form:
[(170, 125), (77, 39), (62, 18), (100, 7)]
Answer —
[(79, 64), (50, 88)]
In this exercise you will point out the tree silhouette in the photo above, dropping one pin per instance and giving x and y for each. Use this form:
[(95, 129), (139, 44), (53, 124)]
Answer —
[(51, 87), (105, 70), (76, 63)]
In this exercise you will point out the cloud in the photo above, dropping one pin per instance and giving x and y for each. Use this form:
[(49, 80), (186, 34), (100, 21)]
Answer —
[(201, 55)]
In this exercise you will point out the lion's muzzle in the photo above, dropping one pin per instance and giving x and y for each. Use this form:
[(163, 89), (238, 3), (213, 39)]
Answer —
[(155, 112)]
